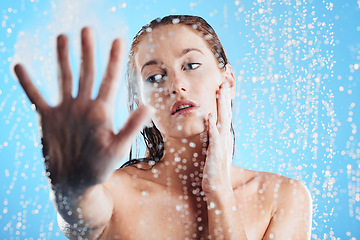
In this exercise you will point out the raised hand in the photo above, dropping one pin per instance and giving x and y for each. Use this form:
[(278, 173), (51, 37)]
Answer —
[(220, 148), (79, 145)]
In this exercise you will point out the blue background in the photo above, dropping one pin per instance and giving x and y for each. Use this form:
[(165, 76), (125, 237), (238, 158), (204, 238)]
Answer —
[(296, 112)]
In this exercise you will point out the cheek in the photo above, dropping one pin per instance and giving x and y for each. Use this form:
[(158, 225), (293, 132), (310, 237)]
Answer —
[(157, 98), (161, 102), (210, 102), (209, 99), (152, 95)]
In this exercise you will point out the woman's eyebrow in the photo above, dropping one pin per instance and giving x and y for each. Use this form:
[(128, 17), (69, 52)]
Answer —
[(155, 62), (185, 51), (151, 62)]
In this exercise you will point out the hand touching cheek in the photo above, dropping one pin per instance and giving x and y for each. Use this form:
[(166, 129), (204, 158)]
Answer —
[(216, 175)]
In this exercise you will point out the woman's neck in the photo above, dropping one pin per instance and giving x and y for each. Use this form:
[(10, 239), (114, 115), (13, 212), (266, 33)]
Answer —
[(182, 163)]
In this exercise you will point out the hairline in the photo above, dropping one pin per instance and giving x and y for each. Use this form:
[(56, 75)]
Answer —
[(140, 38)]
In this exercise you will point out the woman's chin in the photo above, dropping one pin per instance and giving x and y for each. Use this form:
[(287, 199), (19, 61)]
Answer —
[(187, 130)]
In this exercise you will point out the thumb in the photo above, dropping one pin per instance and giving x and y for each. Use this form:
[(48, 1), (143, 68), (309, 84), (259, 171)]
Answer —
[(135, 123)]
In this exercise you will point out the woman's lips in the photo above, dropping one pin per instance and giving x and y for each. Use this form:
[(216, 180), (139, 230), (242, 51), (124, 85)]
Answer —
[(183, 107), (185, 111)]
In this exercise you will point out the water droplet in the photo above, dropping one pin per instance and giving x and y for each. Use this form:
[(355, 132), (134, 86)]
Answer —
[(191, 144), (175, 20)]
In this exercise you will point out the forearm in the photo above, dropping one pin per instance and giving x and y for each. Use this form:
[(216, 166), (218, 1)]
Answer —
[(91, 208), (224, 219)]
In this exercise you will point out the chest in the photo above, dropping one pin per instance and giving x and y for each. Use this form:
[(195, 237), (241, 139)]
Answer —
[(169, 216), (162, 216)]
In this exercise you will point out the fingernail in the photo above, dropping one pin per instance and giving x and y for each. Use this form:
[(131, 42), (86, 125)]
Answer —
[(61, 41), (84, 31), (116, 44), (17, 68)]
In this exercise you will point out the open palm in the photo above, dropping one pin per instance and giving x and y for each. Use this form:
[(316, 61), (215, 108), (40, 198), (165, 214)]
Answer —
[(79, 145)]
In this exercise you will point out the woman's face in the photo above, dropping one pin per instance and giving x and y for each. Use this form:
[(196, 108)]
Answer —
[(179, 76)]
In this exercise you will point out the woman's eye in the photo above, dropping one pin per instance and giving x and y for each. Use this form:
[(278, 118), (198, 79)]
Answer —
[(191, 66), (154, 78)]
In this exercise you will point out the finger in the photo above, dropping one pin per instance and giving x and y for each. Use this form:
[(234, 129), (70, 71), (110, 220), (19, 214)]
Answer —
[(31, 91), (224, 107), (211, 149), (87, 68), (213, 131), (64, 72), (111, 82), (132, 127)]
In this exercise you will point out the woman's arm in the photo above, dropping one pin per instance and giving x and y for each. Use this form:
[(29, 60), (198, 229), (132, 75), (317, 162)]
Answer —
[(80, 149), (85, 215), (291, 218), (225, 220), (293, 214)]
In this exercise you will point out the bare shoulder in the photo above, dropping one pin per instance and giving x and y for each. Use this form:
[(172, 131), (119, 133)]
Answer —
[(117, 180), (286, 191), (281, 187), (131, 181), (122, 180), (289, 200)]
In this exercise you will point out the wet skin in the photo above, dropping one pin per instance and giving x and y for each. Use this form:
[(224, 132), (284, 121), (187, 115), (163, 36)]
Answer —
[(194, 191), (151, 210)]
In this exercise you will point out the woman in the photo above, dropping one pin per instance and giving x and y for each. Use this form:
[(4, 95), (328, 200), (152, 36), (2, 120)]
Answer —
[(186, 186)]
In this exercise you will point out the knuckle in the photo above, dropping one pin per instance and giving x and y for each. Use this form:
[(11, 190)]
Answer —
[(89, 70), (66, 75), (109, 76)]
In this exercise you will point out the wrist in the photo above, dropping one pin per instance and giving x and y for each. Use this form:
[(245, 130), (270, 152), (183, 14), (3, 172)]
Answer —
[(221, 198), (217, 189)]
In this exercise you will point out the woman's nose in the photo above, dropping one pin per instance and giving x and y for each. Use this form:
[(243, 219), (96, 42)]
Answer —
[(177, 84)]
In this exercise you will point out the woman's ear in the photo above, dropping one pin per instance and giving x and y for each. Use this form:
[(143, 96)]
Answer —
[(230, 79)]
